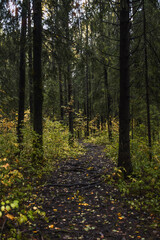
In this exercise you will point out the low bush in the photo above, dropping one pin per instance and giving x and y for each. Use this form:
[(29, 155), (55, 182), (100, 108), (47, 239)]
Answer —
[(20, 176), (142, 189)]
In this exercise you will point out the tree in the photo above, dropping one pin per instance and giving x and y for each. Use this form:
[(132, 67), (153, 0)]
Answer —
[(37, 78), (22, 78), (146, 78), (87, 77), (30, 59), (67, 8), (124, 160)]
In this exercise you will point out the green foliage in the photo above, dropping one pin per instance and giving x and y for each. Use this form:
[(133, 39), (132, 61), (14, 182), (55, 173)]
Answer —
[(79, 124), (146, 183), (19, 174), (102, 138), (56, 145), (142, 189)]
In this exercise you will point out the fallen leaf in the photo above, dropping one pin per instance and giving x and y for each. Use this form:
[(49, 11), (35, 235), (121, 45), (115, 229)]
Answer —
[(10, 216), (51, 226)]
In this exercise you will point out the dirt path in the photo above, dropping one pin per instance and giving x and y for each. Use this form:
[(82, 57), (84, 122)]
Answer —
[(79, 205)]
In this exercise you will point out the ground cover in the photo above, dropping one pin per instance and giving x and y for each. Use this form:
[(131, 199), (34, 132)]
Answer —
[(79, 204)]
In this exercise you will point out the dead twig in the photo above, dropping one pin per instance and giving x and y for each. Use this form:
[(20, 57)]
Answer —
[(74, 184), (2, 228)]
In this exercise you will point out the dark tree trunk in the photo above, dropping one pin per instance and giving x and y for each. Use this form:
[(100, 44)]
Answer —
[(30, 74), (108, 103), (37, 78), (107, 91), (60, 91), (147, 80), (87, 83), (22, 74), (65, 89), (67, 7), (124, 160), (70, 103)]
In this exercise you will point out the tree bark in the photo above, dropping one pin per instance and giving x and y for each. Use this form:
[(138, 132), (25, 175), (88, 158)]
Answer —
[(107, 94), (30, 73), (37, 78), (108, 103), (124, 160), (67, 7), (87, 83), (147, 80), (60, 91), (22, 78)]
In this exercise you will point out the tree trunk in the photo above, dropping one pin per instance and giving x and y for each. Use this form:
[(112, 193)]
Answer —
[(147, 80), (70, 103), (86, 83), (60, 91), (124, 160), (69, 77), (108, 103), (22, 75), (37, 78), (106, 90), (30, 74)]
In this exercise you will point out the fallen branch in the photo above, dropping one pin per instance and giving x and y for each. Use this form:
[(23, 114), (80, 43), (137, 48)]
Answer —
[(73, 185), (1, 235)]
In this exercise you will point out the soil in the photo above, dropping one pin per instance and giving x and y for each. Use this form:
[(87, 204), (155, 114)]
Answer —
[(79, 204)]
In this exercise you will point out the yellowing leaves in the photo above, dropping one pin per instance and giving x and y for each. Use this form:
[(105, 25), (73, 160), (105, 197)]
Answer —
[(120, 217), (51, 226), (9, 216), (5, 166), (90, 168), (11, 177), (83, 204), (89, 227), (70, 198)]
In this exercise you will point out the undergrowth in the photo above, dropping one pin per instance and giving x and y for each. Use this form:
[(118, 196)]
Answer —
[(20, 176), (142, 189)]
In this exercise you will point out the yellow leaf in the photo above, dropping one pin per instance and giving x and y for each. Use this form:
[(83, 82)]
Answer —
[(90, 168), (5, 166), (51, 226), (84, 204), (57, 228), (55, 210), (10, 216)]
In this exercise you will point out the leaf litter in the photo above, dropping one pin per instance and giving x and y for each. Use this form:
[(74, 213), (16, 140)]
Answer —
[(80, 205)]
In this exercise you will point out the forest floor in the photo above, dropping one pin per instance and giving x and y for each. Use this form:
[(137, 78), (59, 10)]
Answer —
[(79, 204)]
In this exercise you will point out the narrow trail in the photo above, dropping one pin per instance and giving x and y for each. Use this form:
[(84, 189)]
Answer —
[(79, 205)]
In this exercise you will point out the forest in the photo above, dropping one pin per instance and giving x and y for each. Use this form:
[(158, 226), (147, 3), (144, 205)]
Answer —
[(79, 119)]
